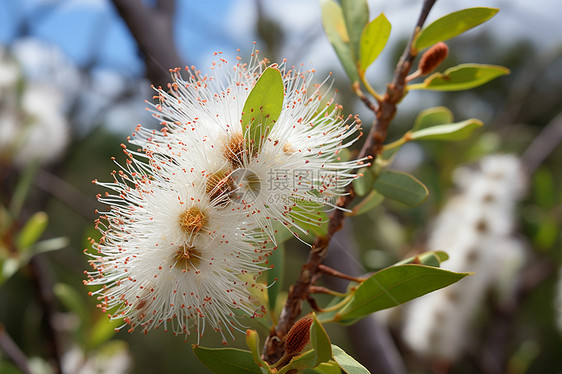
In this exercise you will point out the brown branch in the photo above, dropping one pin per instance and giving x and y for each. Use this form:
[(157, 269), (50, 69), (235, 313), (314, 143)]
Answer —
[(372, 147), (13, 351), (153, 31)]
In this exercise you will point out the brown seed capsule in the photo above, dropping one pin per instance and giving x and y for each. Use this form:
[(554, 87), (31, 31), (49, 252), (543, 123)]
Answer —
[(433, 57), (298, 336)]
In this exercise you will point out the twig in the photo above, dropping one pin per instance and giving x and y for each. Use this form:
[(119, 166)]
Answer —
[(13, 351), (153, 31), (372, 147)]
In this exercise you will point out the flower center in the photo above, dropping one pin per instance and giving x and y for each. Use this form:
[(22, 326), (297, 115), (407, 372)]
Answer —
[(187, 257), (219, 187), (192, 220), (235, 150)]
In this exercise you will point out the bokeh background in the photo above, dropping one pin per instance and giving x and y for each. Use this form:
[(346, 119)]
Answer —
[(73, 85)]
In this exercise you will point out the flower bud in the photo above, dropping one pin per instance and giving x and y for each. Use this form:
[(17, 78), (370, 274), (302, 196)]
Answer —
[(299, 336), (433, 57)]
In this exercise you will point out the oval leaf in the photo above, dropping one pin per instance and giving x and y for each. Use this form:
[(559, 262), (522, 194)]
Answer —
[(227, 360), (310, 218), (401, 187), (262, 107), (451, 131), (453, 24), (394, 286), (348, 363), (438, 115), (356, 15), (336, 31), (461, 77), (373, 41)]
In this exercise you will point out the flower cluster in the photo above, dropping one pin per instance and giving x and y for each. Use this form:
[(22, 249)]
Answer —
[(192, 218), (476, 229)]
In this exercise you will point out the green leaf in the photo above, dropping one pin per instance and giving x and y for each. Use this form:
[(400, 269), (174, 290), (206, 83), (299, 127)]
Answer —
[(373, 40), (356, 16), (227, 360), (348, 363), (330, 367), (430, 117), (372, 200), (394, 286), (320, 341), (461, 77), (401, 187), (32, 230), (451, 131), (364, 184), (431, 258), (275, 275), (453, 24), (262, 107), (310, 218), (334, 25)]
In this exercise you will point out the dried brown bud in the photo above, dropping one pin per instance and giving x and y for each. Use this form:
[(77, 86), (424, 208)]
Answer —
[(433, 57), (298, 336)]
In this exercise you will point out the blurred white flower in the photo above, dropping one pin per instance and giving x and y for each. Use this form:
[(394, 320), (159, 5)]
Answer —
[(476, 230), (33, 127)]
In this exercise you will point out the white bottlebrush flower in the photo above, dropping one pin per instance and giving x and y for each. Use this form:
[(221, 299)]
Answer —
[(291, 175), (172, 253), (476, 230)]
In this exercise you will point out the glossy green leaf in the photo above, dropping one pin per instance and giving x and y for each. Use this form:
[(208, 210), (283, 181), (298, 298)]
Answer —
[(371, 201), (453, 24), (334, 25), (431, 258), (348, 364), (227, 360), (356, 16), (394, 286), (32, 230), (401, 187), (373, 40), (276, 261), (320, 341), (439, 115), (451, 131), (263, 107), (461, 77), (310, 218), (364, 183)]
